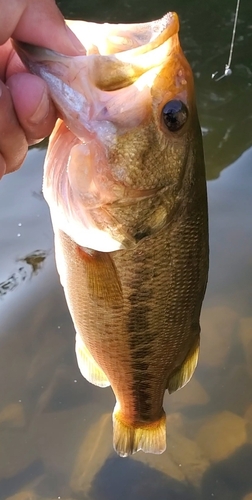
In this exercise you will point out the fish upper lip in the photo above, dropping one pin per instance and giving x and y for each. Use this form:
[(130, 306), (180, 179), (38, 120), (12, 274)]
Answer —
[(158, 31), (110, 69)]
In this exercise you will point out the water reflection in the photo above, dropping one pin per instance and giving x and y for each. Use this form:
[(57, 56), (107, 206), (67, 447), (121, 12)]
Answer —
[(13, 281), (34, 260), (55, 436)]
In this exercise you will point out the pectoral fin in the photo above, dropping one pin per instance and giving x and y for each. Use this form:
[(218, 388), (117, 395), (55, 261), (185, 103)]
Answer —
[(102, 280), (88, 366), (184, 373)]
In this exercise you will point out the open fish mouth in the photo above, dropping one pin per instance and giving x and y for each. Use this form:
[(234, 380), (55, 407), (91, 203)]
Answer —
[(107, 98), (116, 57), (128, 50)]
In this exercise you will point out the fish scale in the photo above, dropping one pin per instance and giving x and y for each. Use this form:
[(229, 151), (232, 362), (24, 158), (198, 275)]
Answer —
[(152, 324)]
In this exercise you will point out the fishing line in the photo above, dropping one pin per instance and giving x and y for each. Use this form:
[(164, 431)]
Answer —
[(228, 71)]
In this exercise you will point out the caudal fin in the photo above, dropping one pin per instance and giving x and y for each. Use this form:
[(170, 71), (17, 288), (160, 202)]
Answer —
[(127, 439)]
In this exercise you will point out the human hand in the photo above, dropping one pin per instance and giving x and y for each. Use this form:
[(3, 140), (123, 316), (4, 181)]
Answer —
[(27, 114)]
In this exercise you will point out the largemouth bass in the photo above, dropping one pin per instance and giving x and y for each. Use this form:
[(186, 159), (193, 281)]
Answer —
[(125, 182)]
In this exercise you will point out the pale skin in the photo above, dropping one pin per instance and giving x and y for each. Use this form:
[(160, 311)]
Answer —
[(27, 113)]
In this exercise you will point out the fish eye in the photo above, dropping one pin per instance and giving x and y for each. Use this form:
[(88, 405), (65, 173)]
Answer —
[(175, 114)]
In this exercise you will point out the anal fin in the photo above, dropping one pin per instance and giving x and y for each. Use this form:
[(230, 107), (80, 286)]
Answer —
[(184, 373), (88, 366), (128, 439)]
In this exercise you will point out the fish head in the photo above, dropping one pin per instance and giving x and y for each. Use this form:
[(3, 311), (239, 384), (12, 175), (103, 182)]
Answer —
[(116, 162)]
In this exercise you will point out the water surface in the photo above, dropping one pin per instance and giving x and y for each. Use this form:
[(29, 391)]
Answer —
[(55, 428)]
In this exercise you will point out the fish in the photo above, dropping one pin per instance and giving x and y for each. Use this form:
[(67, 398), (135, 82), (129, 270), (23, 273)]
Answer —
[(124, 178)]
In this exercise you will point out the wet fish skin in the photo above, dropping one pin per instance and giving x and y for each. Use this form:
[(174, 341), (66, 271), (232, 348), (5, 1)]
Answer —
[(129, 210)]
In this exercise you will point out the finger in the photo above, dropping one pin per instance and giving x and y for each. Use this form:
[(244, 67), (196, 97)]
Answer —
[(13, 63), (13, 144), (34, 108), (39, 23), (2, 166)]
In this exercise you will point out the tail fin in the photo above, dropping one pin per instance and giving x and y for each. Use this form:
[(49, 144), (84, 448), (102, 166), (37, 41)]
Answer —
[(150, 438)]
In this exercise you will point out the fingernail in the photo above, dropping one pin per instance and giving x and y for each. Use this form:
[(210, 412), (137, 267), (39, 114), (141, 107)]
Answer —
[(42, 110), (75, 41)]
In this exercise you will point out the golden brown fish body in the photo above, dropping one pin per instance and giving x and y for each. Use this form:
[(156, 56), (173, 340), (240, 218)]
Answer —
[(125, 182)]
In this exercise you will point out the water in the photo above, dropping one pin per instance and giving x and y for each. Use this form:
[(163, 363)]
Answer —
[(55, 432)]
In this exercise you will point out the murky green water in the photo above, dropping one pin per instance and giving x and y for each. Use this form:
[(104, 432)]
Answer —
[(55, 435)]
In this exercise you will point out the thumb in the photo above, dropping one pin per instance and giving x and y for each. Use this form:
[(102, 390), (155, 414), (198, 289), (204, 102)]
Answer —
[(38, 23)]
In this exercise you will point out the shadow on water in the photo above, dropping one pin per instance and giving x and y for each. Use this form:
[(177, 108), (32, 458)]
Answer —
[(9, 486), (221, 483), (55, 428), (143, 483)]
